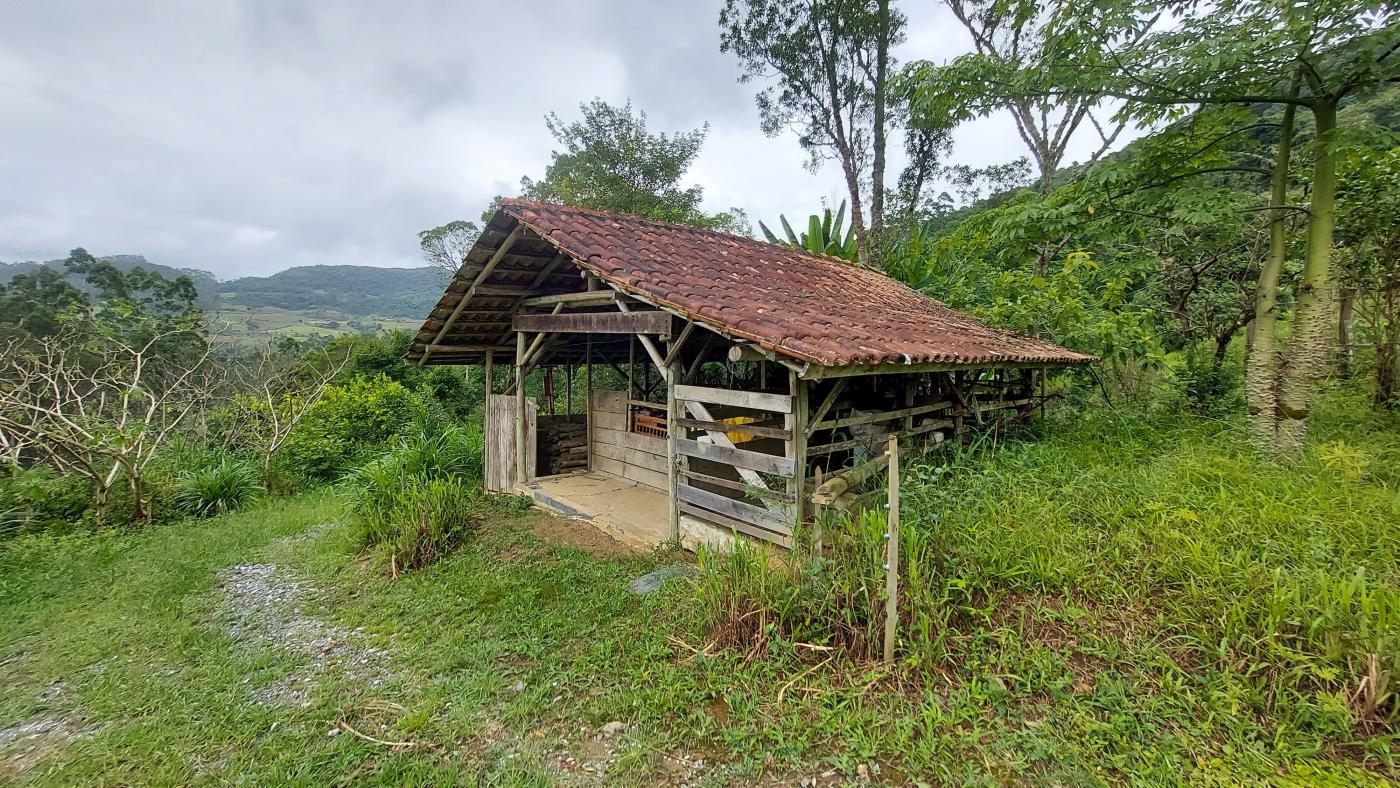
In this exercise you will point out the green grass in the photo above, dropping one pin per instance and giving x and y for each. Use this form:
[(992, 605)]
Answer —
[(1120, 602)]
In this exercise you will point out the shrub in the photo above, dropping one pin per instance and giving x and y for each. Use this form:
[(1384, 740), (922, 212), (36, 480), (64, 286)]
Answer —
[(426, 518), (421, 498), (216, 489), (40, 499), (353, 421)]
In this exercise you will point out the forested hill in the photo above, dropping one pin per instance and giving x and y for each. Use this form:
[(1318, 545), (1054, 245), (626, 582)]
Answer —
[(354, 290)]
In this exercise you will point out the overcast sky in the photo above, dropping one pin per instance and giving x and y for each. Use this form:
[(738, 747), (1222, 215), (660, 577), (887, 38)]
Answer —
[(248, 136)]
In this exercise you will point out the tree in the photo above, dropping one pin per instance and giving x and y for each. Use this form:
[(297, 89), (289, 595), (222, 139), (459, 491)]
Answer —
[(36, 304), (1233, 53), (1369, 221), (611, 161), (829, 64), (447, 246), (99, 406), (277, 387), (1013, 35)]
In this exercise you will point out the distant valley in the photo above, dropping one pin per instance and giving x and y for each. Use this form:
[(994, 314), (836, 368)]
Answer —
[(302, 302)]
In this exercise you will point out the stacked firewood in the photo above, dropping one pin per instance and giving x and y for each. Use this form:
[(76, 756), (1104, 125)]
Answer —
[(564, 445)]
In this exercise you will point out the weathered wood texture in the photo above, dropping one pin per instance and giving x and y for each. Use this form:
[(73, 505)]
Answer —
[(777, 403), (596, 323), (499, 440), (627, 455)]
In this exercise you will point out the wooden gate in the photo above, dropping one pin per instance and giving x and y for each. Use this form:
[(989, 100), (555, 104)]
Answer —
[(499, 441)]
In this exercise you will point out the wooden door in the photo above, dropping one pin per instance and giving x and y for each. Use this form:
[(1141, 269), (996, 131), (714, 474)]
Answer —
[(499, 441)]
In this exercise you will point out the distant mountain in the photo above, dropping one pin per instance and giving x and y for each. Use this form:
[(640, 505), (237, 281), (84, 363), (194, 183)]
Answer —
[(352, 290)]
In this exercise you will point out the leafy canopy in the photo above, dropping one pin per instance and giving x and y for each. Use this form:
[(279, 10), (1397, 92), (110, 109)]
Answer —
[(611, 161)]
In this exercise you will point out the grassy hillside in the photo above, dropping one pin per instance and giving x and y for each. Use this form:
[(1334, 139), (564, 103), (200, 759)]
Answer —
[(1128, 601), (302, 302)]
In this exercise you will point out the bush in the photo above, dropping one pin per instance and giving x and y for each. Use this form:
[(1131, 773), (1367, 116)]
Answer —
[(423, 519), (219, 488), (421, 498), (40, 499), (352, 421)]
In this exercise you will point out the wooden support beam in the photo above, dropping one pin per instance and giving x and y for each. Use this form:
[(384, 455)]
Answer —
[(672, 371), (585, 298), (675, 346), (472, 289), (522, 476), (650, 346), (797, 445), (837, 484), (755, 400), (469, 348), (876, 418), (538, 340), (746, 352), (595, 322), (825, 407), (699, 357)]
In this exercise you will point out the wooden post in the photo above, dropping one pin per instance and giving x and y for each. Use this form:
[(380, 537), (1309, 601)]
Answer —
[(796, 446), (673, 514), (521, 472), (892, 552), (486, 409), (588, 398)]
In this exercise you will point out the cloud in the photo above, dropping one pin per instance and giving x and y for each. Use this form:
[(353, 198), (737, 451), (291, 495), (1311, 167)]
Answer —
[(246, 136)]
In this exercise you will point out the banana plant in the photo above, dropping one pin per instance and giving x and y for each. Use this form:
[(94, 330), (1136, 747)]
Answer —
[(824, 234)]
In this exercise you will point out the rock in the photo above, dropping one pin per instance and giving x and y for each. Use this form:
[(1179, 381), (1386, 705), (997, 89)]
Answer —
[(613, 729), (518, 686), (863, 773), (653, 581)]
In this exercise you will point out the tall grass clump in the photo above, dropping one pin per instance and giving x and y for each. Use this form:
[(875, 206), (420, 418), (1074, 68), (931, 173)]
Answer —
[(217, 488), (421, 498)]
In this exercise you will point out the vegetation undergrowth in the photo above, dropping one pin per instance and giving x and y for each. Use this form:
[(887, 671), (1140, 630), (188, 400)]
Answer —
[(1147, 582)]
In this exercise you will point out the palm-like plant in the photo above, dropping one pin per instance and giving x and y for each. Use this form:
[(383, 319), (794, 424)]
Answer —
[(824, 234)]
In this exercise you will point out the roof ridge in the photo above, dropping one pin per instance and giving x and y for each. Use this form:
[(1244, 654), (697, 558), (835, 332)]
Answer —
[(672, 226)]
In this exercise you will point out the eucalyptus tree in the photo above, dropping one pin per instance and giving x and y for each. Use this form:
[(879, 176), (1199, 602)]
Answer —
[(446, 246), (827, 70)]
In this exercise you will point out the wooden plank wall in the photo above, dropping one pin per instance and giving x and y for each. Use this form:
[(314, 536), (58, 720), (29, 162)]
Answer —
[(614, 450), (499, 441)]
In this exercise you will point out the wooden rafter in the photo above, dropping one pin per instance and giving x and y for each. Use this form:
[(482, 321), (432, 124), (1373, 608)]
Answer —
[(471, 289)]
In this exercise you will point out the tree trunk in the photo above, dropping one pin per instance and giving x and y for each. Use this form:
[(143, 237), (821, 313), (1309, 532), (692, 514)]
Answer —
[(1262, 358), (1388, 346), (1346, 320), (1312, 325), (857, 215), (875, 252), (142, 507), (99, 494)]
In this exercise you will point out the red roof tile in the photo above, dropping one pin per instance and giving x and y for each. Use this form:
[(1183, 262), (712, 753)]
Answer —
[(806, 306)]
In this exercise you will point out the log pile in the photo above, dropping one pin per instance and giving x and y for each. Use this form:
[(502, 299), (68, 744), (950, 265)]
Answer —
[(563, 446)]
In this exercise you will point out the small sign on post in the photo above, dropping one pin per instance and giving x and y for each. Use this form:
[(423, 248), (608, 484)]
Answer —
[(892, 552)]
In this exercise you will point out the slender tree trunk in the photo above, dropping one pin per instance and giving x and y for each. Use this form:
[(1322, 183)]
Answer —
[(99, 494), (1262, 360), (1388, 346), (857, 215), (877, 173), (141, 506), (1346, 320), (1312, 324)]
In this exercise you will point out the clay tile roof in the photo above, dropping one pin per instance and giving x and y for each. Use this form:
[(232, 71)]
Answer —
[(805, 306)]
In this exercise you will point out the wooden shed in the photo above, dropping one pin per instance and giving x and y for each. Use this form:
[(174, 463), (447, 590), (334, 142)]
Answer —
[(742, 372)]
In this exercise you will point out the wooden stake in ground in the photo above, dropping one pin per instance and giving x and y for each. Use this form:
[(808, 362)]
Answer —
[(892, 553)]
